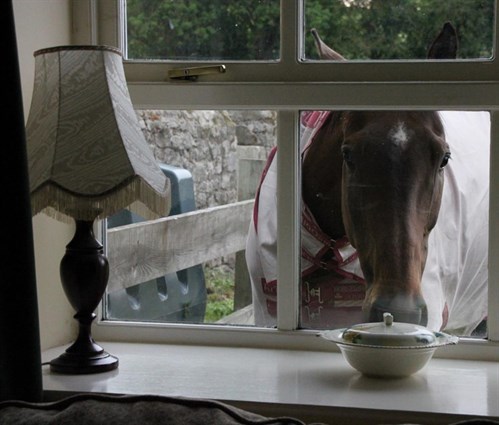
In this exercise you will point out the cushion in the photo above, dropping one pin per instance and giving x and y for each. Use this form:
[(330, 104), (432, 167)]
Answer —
[(93, 409)]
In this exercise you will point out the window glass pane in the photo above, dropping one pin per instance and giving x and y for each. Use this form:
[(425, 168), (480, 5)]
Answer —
[(398, 29), (221, 157), (213, 159), (374, 180), (203, 30)]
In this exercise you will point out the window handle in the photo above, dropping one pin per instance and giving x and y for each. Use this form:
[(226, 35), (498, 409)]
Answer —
[(193, 73)]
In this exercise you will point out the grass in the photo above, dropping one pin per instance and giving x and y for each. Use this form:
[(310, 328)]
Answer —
[(220, 292)]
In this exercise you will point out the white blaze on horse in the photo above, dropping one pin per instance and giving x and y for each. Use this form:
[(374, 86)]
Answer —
[(372, 190)]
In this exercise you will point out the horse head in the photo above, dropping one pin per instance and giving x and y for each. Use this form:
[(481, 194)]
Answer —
[(382, 187)]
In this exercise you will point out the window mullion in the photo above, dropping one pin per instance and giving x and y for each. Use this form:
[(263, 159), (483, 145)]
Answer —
[(493, 295), (85, 22), (289, 31), (110, 31), (288, 213)]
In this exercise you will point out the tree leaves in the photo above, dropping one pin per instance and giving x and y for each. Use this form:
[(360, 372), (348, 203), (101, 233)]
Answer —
[(358, 29)]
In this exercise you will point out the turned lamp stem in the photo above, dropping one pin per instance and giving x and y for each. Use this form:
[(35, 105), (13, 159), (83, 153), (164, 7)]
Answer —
[(84, 274)]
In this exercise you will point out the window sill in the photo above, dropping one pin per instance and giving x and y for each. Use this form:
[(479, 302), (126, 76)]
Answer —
[(313, 386)]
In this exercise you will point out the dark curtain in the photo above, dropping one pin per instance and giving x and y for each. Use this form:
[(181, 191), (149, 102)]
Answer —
[(20, 364)]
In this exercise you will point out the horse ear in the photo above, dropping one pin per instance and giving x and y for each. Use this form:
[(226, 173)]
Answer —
[(445, 45), (325, 52)]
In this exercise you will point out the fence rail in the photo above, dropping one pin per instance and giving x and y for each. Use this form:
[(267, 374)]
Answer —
[(144, 251)]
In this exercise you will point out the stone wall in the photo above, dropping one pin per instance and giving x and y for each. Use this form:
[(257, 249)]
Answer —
[(207, 144)]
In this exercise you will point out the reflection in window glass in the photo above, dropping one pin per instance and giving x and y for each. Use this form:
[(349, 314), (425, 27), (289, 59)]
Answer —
[(379, 181), (398, 29), (203, 30), (213, 159)]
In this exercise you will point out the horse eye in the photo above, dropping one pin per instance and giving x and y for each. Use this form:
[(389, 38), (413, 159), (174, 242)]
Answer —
[(347, 156), (445, 160)]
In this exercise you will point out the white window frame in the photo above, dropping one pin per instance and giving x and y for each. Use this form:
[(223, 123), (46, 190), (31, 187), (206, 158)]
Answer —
[(287, 86)]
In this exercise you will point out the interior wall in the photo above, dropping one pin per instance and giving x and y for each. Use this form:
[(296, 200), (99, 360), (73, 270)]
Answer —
[(40, 24)]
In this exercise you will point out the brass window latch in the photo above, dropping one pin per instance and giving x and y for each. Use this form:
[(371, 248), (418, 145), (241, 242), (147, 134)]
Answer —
[(193, 73)]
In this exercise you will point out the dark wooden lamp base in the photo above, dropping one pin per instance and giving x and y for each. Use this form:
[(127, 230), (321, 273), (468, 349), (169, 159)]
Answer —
[(84, 356), (84, 275)]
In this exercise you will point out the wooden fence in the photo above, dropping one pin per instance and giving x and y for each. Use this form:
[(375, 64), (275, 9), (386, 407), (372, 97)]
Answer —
[(144, 251), (147, 250)]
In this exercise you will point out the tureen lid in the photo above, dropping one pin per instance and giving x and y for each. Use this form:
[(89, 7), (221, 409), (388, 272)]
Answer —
[(389, 334)]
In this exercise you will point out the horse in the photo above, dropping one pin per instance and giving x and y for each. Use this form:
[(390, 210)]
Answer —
[(377, 215)]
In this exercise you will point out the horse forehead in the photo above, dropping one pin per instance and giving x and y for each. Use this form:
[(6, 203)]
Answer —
[(398, 127), (399, 134)]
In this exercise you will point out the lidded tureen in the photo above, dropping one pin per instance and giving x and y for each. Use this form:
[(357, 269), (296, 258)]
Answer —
[(388, 349)]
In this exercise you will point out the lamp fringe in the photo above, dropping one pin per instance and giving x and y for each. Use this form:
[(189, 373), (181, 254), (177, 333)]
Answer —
[(135, 195)]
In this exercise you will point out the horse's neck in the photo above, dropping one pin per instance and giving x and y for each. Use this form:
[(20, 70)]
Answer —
[(321, 178)]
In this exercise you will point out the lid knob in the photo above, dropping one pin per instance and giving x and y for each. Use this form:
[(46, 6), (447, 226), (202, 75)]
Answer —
[(388, 319)]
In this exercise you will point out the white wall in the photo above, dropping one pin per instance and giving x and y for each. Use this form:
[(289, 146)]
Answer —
[(40, 24)]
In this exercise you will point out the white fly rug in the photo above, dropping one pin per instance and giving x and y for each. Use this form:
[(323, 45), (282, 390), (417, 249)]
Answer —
[(454, 282)]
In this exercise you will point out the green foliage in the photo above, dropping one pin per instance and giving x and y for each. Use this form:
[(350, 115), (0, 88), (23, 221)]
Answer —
[(399, 29), (218, 29), (220, 290), (358, 29)]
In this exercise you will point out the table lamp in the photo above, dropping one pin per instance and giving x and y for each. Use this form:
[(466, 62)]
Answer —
[(87, 159)]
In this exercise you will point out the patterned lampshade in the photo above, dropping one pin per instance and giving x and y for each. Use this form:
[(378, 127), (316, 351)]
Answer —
[(87, 156)]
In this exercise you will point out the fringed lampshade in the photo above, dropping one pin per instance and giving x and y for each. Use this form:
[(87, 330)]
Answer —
[(87, 155), (88, 159)]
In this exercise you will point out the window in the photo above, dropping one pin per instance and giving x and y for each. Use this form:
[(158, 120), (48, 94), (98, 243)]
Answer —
[(288, 86), (214, 160), (218, 30), (376, 30)]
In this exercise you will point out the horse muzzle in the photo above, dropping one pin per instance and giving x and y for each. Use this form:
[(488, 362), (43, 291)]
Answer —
[(410, 312)]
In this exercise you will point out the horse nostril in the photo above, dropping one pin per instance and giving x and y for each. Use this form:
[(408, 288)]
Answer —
[(375, 314), (424, 316), (417, 315)]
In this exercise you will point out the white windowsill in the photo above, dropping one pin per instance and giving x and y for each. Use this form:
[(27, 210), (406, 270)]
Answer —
[(306, 384)]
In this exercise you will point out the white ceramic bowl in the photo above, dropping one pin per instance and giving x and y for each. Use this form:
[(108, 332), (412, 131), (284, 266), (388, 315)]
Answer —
[(387, 349)]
